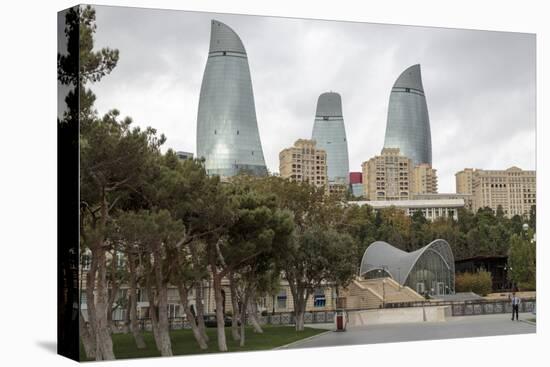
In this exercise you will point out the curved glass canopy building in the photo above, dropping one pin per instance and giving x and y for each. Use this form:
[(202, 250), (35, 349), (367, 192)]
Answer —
[(330, 134), (430, 269), (408, 124), (227, 130)]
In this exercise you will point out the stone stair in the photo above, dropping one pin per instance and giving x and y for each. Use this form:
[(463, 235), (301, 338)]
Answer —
[(372, 293)]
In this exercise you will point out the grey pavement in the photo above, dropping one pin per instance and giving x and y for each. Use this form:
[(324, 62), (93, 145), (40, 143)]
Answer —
[(454, 327)]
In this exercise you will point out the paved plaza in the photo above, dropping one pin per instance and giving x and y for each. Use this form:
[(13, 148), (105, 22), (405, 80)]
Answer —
[(454, 327)]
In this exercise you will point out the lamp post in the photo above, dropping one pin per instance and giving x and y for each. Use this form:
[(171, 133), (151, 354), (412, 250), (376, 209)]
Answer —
[(383, 270), (525, 228), (508, 269)]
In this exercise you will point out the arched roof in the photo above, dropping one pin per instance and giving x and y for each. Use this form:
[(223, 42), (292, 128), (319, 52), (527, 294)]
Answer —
[(398, 263), (329, 104)]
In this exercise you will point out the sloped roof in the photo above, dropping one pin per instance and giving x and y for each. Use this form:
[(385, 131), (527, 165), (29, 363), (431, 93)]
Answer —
[(223, 38), (410, 78)]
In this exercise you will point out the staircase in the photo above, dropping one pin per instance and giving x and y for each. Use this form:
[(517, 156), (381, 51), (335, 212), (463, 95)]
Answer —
[(372, 293)]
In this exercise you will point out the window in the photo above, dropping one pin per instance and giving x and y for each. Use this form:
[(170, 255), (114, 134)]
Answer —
[(173, 310), (120, 260), (86, 260), (119, 314), (142, 295), (281, 299), (319, 299)]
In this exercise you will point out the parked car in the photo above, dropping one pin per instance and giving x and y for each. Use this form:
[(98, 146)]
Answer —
[(210, 320)]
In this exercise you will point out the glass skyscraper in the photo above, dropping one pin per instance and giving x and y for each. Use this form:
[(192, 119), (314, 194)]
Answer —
[(408, 125), (227, 129), (330, 134)]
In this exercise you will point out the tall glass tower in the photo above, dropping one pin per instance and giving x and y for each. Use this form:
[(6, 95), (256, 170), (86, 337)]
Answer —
[(227, 130), (408, 125), (330, 134)]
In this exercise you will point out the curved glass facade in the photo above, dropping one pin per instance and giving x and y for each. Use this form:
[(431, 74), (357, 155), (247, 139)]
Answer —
[(428, 270), (227, 129), (408, 124), (330, 134)]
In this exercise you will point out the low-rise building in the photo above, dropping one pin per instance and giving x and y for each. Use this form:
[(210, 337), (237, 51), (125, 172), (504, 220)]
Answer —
[(446, 196), (432, 209), (184, 155)]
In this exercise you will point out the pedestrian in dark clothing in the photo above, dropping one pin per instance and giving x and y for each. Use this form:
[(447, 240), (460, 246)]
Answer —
[(515, 306)]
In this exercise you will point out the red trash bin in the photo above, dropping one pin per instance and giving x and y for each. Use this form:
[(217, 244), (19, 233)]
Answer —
[(340, 320)]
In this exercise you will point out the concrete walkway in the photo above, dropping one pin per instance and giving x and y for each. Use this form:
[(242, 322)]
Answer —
[(454, 327)]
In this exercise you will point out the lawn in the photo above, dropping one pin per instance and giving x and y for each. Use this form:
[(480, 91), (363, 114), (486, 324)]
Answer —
[(184, 343)]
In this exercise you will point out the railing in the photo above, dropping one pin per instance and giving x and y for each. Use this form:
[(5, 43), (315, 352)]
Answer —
[(279, 318), (474, 307)]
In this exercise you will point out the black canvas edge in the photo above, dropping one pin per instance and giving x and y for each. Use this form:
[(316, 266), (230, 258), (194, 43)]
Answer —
[(68, 226)]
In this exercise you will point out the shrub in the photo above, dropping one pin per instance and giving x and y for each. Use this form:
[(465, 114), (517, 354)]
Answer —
[(479, 282)]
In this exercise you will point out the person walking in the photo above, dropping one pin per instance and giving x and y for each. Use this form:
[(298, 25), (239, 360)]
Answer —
[(515, 306)]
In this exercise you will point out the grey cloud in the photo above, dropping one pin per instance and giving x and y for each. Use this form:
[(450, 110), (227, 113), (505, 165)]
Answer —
[(480, 86)]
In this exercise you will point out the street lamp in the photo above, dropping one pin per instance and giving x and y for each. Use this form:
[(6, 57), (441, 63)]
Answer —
[(508, 269), (525, 228)]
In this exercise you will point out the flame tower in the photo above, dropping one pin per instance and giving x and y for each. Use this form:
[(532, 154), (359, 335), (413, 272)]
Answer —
[(227, 130), (330, 134), (408, 125)]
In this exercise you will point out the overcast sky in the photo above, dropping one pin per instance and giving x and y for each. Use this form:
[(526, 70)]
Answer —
[(480, 86)]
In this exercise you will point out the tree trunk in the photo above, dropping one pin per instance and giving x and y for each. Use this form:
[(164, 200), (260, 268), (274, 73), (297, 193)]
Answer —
[(253, 315), (104, 343), (154, 321), (199, 307), (132, 301), (112, 298), (300, 295), (163, 331), (236, 308), (86, 337), (222, 345), (90, 302), (243, 316), (191, 318), (163, 324), (96, 292), (299, 315)]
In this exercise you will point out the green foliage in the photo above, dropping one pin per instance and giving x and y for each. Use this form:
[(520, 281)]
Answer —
[(479, 282), (474, 234), (522, 262), (80, 64)]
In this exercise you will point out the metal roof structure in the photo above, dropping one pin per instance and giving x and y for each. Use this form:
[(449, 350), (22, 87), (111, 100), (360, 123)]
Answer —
[(398, 264)]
